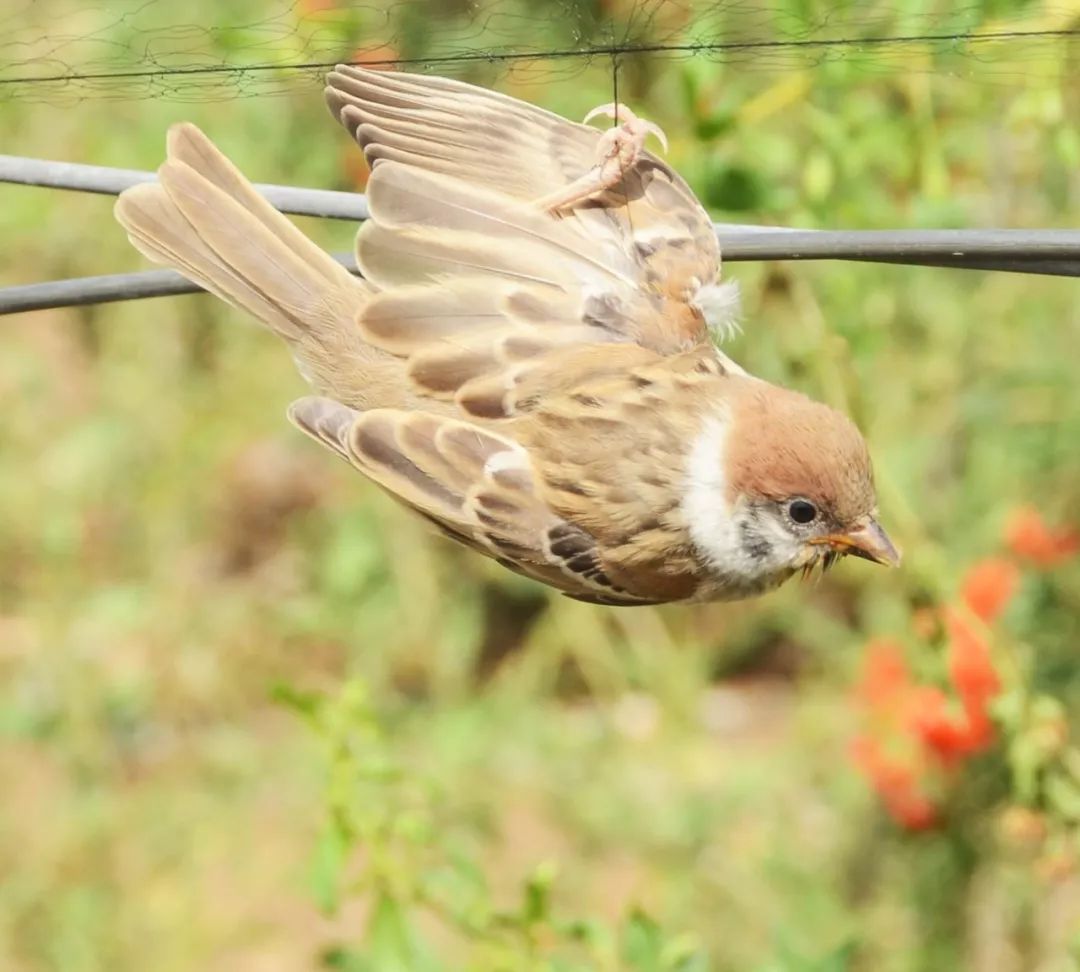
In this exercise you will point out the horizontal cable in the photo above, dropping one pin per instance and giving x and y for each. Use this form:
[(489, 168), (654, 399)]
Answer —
[(1051, 252), (106, 180), (751, 243), (109, 288)]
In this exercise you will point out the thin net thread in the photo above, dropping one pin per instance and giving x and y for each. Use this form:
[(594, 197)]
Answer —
[(68, 51)]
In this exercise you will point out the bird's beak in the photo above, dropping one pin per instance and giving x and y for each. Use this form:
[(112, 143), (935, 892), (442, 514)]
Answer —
[(867, 540)]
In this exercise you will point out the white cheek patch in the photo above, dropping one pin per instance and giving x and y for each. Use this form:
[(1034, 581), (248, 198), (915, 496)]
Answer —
[(704, 499), (745, 546), (720, 305)]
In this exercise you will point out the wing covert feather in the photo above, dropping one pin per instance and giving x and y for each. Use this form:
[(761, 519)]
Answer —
[(479, 487)]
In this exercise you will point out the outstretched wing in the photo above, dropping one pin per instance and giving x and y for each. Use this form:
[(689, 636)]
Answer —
[(478, 487), (485, 295), (423, 135), (493, 140)]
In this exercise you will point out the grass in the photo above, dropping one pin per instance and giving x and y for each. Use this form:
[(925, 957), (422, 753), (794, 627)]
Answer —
[(256, 717)]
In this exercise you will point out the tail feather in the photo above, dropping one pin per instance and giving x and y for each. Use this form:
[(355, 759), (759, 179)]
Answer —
[(206, 220), (187, 144), (290, 281), (159, 230)]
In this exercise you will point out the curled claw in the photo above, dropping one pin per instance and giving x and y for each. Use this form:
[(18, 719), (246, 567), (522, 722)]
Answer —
[(617, 152), (637, 128)]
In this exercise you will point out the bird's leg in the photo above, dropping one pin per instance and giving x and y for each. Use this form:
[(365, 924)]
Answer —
[(617, 151)]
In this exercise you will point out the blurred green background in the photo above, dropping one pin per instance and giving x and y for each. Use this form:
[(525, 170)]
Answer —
[(255, 717)]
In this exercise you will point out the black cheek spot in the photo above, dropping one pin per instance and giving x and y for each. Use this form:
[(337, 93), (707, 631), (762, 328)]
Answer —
[(753, 543)]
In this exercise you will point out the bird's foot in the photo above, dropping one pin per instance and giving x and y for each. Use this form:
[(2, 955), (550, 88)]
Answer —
[(617, 152)]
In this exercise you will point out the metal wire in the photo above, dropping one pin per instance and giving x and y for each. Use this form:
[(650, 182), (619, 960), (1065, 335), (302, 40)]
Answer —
[(111, 182), (1050, 252), (109, 288)]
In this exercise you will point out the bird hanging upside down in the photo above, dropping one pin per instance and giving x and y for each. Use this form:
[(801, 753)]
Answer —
[(527, 361)]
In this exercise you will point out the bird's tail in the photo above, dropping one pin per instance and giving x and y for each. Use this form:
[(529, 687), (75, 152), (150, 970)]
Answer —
[(204, 219)]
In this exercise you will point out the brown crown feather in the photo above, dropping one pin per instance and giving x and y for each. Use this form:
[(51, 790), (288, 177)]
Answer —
[(788, 445)]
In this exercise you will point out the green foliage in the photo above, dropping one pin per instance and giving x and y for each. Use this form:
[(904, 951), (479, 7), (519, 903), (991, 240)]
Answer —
[(398, 839)]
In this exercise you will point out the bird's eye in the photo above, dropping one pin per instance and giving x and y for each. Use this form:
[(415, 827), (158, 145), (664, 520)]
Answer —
[(802, 511)]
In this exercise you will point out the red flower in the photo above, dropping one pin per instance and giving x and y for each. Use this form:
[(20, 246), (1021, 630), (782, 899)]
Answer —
[(885, 674), (917, 734), (989, 586), (896, 782), (886, 692), (941, 731), (970, 666), (913, 810), (1029, 536)]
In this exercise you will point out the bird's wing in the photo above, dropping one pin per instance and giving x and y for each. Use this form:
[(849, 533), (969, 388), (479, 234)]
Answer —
[(493, 140), (476, 486), (646, 244), (484, 294)]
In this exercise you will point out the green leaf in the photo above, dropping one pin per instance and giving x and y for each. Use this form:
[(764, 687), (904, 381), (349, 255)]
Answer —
[(683, 954), (305, 704), (329, 862), (642, 942), (1063, 796), (392, 941), (733, 188), (341, 958), (536, 906), (713, 126)]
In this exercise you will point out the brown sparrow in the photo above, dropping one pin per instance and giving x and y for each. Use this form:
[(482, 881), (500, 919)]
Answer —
[(528, 360)]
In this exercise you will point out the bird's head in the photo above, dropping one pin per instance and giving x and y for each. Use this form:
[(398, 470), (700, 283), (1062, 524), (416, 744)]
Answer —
[(776, 483)]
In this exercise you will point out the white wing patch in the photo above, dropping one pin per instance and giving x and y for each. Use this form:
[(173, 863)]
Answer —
[(507, 459)]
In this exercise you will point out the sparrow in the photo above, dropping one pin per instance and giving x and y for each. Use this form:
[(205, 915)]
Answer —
[(529, 359)]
